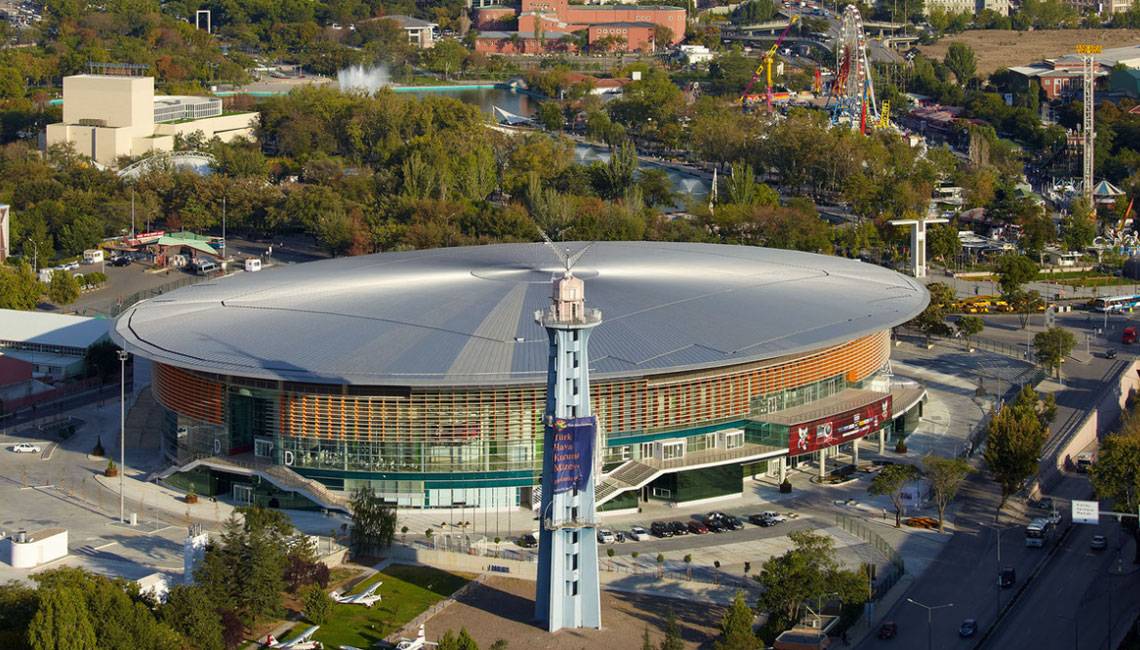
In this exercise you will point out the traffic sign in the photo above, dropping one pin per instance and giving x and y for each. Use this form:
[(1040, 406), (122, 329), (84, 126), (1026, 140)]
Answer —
[(1086, 512)]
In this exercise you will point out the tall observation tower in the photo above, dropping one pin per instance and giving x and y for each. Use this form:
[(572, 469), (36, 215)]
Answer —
[(567, 593)]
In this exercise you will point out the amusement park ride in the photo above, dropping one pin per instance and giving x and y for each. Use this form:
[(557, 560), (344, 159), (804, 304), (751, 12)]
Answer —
[(765, 67), (852, 95)]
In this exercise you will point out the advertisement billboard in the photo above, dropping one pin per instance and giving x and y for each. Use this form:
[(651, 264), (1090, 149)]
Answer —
[(839, 428), (572, 442)]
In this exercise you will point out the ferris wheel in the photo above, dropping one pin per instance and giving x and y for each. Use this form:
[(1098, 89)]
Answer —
[(853, 90)]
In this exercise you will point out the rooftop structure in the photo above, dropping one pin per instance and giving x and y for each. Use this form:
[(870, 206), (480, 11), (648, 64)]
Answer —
[(55, 344), (461, 315)]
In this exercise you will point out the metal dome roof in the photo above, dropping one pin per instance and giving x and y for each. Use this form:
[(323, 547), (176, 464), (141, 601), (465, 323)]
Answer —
[(465, 316)]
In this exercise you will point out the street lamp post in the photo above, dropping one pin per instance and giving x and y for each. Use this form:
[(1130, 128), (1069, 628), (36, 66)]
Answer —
[(929, 619), (35, 255), (122, 430), (997, 590)]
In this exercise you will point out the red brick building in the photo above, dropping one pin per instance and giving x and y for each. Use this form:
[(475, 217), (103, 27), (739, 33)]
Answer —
[(496, 42), (633, 37), (637, 25)]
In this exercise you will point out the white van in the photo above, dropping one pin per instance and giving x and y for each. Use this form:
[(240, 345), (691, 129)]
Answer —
[(207, 267)]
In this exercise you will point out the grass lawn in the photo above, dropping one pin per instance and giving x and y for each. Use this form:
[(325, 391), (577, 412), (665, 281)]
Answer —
[(407, 591)]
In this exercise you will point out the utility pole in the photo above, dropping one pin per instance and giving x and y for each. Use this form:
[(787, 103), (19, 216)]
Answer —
[(1088, 58)]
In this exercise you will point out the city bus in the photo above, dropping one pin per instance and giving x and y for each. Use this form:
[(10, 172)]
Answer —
[(1116, 303), (1038, 532)]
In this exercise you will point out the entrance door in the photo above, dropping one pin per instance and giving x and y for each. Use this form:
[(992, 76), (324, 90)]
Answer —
[(243, 495), (263, 448)]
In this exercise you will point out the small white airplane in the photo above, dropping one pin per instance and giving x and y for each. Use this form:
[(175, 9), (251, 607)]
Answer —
[(418, 643), (302, 642), (367, 598)]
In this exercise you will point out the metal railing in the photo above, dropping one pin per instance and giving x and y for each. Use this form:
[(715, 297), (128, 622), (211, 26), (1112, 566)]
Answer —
[(121, 304), (895, 567)]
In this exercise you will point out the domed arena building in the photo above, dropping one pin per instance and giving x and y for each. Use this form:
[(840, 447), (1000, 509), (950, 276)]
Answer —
[(423, 373)]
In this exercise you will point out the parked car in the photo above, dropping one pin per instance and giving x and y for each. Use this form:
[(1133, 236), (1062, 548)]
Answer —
[(760, 519), (715, 514), (774, 516), (606, 536), (679, 528), (733, 523), (1110, 353), (715, 525), (528, 541), (1007, 577), (1098, 543), (637, 534), (25, 448), (968, 628), (888, 630), (697, 528), (121, 260), (661, 529)]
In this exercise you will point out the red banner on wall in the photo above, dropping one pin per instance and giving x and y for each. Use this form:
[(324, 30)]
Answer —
[(839, 428)]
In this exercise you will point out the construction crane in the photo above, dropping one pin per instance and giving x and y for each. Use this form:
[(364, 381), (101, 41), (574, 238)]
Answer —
[(765, 67)]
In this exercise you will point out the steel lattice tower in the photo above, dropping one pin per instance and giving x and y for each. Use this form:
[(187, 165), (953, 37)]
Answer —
[(1088, 58)]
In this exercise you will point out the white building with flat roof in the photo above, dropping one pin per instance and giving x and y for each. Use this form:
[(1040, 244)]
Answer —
[(107, 116)]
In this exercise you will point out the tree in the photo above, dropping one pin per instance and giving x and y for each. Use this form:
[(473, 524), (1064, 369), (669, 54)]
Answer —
[(960, 60), (1116, 473), (446, 56), (18, 604), (932, 320), (1078, 228), (1025, 303), (805, 572), (970, 326), (373, 522), (945, 476), (1052, 346), (890, 482), (64, 289), (1013, 444), (943, 243), (190, 613), (1014, 271), (19, 288), (550, 116), (672, 640), (62, 622), (318, 605), (461, 641), (736, 627)]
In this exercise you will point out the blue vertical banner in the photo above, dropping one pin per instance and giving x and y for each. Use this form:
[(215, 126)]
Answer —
[(572, 443)]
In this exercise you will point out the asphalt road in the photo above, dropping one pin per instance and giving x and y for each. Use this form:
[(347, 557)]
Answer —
[(964, 575), (1075, 600)]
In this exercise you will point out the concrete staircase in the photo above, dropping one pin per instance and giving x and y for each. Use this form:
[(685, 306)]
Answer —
[(630, 475), (279, 475)]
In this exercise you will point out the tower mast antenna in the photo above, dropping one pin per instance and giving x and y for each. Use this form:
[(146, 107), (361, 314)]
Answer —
[(564, 256)]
